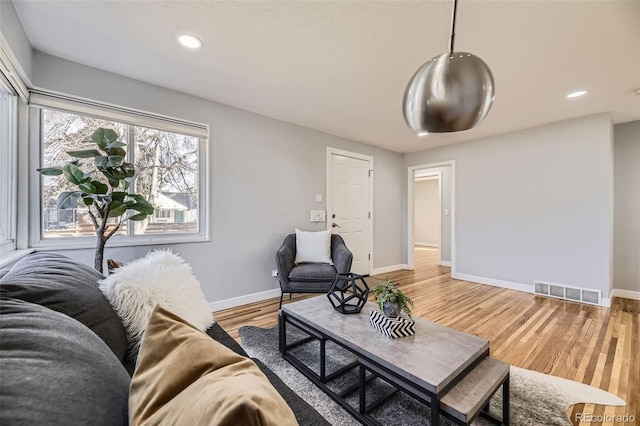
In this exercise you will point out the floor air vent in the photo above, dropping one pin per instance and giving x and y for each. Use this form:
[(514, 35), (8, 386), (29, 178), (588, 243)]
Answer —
[(568, 293)]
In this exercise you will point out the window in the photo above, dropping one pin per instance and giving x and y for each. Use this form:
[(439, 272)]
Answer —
[(170, 173), (13, 98), (8, 144)]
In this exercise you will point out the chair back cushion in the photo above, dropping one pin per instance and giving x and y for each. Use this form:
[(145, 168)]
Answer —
[(313, 247)]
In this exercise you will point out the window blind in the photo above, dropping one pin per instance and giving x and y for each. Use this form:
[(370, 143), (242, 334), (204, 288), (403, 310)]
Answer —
[(9, 77), (72, 104)]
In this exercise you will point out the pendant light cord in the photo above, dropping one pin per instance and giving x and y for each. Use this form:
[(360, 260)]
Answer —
[(453, 27)]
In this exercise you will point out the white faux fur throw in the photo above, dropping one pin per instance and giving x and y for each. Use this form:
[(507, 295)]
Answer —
[(159, 278)]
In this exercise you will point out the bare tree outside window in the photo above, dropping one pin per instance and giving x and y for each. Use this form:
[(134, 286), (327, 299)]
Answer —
[(167, 167), (68, 132)]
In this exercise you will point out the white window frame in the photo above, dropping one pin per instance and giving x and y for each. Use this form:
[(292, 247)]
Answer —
[(81, 106), (12, 78), (9, 170)]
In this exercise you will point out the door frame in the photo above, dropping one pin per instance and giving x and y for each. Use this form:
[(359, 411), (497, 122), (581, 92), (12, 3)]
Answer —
[(329, 174), (437, 176), (410, 211)]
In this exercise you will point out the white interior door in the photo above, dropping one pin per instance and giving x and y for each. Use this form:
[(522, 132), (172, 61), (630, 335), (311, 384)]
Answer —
[(349, 204)]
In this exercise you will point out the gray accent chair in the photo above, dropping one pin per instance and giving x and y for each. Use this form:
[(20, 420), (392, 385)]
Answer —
[(310, 277)]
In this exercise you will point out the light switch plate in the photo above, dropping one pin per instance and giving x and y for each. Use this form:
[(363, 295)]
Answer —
[(446, 212), (318, 216)]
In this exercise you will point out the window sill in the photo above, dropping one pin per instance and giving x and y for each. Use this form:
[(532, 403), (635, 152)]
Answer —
[(12, 256), (90, 242)]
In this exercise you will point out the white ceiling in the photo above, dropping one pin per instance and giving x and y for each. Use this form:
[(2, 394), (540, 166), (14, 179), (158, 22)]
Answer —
[(341, 67)]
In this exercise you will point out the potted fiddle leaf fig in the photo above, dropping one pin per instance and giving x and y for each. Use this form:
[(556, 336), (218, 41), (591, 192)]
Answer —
[(391, 300), (102, 185)]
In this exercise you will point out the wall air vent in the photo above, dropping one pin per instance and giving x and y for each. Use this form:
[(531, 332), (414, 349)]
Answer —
[(574, 294)]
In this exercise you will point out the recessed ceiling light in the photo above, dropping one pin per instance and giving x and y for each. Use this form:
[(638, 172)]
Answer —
[(576, 94), (423, 134), (189, 41)]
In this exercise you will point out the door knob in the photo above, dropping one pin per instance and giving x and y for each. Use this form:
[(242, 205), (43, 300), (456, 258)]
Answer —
[(335, 225)]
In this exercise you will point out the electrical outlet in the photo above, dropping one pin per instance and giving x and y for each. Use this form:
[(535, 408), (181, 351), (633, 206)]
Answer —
[(274, 273)]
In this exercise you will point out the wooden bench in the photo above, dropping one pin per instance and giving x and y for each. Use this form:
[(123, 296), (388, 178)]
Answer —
[(473, 392)]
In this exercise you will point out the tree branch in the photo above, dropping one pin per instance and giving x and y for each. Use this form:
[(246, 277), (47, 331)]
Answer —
[(93, 218), (115, 229), (103, 225)]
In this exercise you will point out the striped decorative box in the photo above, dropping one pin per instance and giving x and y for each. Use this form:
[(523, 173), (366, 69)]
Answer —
[(393, 328)]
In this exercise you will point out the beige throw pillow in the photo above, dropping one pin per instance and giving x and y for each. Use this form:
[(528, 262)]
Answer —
[(185, 377)]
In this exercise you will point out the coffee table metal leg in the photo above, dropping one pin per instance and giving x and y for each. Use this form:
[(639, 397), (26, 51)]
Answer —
[(282, 333), (363, 385), (435, 410), (506, 410), (322, 359)]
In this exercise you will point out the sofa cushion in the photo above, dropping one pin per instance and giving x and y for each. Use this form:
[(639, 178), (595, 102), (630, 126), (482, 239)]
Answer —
[(185, 377), (67, 286), (221, 336), (312, 272), (57, 371), (305, 414)]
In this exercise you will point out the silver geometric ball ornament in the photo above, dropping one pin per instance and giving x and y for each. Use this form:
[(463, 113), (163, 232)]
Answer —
[(451, 92)]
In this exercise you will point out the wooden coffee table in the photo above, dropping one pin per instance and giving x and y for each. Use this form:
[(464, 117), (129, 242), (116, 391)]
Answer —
[(433, 366)]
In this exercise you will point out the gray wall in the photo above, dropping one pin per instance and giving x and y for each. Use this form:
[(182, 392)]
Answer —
[(535, 204), (426, 204), (264, 175), (12, 31), (626, 248)]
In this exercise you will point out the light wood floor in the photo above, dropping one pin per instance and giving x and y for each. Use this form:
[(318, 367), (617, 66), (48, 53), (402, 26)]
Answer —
[(588, 344)]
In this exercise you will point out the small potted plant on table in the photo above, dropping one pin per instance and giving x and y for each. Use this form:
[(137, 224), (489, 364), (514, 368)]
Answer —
[(391, 300)]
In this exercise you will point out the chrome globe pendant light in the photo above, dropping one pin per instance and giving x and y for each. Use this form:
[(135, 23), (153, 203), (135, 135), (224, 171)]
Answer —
[(450, 92)]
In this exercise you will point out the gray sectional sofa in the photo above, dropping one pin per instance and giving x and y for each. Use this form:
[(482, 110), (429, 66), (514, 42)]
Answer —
[(63, 349)]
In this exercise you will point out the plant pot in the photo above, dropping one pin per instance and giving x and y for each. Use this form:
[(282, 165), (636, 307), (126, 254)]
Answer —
[(390, 309)]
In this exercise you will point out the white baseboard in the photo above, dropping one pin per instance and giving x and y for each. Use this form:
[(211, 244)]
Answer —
[(491, 281), (243, 300), (390, 268), (436, 245), (625, 294), (606, 302), (444, 263)]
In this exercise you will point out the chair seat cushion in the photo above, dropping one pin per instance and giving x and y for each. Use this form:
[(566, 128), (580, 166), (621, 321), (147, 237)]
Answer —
[(307, 287), (312, 272)]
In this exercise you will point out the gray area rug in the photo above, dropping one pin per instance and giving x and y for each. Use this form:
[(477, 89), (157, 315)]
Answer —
[(536, 398)]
